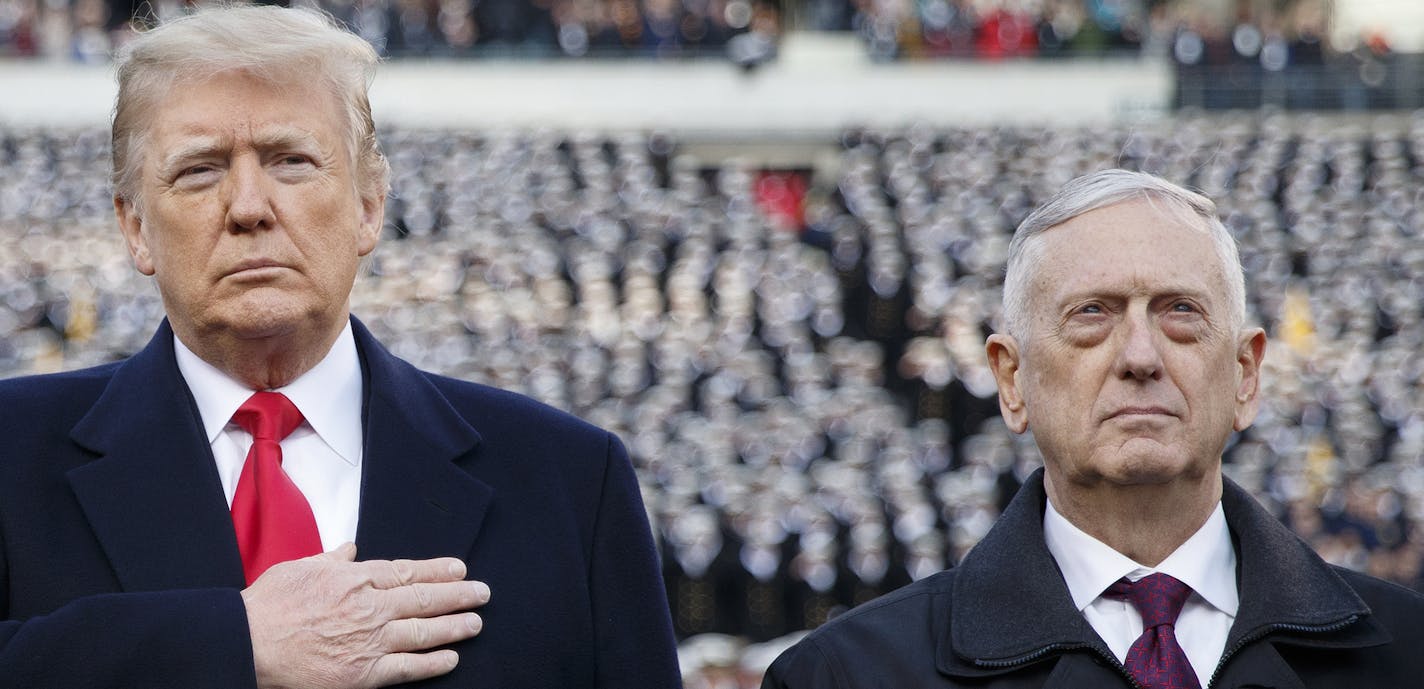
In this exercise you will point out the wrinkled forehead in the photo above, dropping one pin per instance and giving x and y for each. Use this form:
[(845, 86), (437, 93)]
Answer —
[(220, 104), (1155, 208), (294, 82), (1147, 243), (301, 81), (1143, 215)]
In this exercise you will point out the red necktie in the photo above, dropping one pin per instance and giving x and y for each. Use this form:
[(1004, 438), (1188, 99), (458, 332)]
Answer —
[(1156, 660), (273, 521)]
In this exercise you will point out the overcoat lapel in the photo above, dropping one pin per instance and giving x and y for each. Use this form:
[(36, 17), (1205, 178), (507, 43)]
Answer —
[(153, 496), (1259, 666), (418, 500), (998, 627)]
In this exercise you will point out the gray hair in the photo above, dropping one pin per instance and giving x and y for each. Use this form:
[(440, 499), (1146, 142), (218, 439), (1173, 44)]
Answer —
[(271, 43), (1099, 190)]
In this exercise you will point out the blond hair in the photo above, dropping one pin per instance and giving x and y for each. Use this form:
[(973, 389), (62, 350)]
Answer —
[(271, 43)]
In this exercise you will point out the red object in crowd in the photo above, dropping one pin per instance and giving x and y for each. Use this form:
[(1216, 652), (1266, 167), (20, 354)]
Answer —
[(1006, 34), (23, 38), (781, 196)]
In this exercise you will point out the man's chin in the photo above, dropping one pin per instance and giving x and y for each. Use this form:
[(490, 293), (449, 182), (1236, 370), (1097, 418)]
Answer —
[(1142, 461), (263, 321)]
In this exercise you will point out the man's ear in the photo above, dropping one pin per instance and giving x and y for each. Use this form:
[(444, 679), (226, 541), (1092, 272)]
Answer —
[(373, 219), (131, 225), (1249, 353), (1004, 360)]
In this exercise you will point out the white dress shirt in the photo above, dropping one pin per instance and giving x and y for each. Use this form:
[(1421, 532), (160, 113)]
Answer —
[(1206, 562), (322, 456)]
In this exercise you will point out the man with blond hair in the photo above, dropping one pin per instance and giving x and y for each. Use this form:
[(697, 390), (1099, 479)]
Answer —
[(1128, 561), (264, 496)]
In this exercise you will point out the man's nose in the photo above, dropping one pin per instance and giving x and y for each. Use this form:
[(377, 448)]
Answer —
[(249, 196), (1138, 354)]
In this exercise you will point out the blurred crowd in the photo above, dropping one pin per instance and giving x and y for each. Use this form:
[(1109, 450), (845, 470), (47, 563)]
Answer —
[(995, 29), (1279, 54), (89, 30), (1270, 36), (1277, 34), (795, 359)]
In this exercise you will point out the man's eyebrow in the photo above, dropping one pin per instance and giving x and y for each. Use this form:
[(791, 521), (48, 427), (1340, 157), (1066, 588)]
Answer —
[(1119, 293), (196, 147), (283, 137)]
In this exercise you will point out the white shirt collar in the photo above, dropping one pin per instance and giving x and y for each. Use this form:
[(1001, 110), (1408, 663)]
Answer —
[(329, 395), (1206, 562)]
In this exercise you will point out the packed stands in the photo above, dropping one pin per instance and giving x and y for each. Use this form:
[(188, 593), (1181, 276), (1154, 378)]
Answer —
[(87, 30), (1276, 34), (1239, 54)]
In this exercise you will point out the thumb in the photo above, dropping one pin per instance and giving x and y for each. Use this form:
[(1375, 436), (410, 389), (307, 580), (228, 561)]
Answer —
[(346, 552)]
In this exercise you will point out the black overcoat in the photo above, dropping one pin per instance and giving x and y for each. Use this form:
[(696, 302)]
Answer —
[(1004, 619)]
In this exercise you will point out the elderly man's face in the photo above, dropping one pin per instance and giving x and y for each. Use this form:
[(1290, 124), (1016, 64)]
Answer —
[(1132, 372), (251, 219)]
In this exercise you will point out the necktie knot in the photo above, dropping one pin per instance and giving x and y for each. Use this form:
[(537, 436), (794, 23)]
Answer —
[(268, 416), (1157, 597)]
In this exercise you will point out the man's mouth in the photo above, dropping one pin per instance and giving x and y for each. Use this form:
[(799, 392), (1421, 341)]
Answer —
[(1141, 411)]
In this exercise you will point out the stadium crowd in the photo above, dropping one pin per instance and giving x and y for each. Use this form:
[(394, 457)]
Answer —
[(88, 30), (804, 393), (1275, 35)]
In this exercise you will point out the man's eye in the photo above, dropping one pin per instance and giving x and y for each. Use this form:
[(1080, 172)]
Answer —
[(195, 170), (1090, 309), (295, 160), (1184, 307)]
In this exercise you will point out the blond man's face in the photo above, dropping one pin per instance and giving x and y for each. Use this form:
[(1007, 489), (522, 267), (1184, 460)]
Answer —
[(252, 221)]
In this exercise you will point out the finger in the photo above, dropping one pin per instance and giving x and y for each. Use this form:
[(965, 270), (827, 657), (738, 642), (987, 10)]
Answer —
[(430, 600), (346, 552), (399, 668), (389, 574), (407, 635)]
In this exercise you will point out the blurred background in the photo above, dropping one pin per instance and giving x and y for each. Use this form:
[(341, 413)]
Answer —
[(764, 240)]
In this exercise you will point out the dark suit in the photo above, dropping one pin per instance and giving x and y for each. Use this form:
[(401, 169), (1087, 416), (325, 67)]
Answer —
[(119, 567), (1004, 619)]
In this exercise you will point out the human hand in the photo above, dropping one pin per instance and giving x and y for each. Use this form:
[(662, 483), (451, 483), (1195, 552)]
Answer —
[(328, 621)]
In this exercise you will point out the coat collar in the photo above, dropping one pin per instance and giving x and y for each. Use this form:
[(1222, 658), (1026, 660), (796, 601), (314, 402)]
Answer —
[(153, 496), (1286, 585), (155, 503), (1009, 606), (418, 497)]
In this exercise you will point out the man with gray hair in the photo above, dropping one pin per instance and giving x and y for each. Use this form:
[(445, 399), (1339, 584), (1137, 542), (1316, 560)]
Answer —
[(193, 516), (1128, 561)]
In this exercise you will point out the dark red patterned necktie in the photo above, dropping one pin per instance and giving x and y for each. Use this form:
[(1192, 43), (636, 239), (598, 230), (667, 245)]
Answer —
[(273, 520), (1156, 660)]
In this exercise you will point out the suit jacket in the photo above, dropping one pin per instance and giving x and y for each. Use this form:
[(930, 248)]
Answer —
[(1004, 619), (119, 567)]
